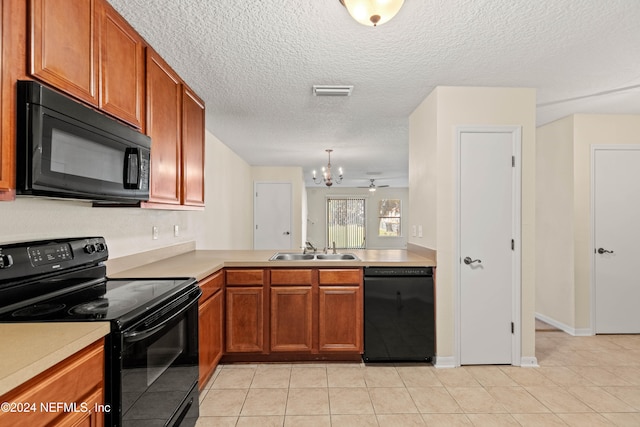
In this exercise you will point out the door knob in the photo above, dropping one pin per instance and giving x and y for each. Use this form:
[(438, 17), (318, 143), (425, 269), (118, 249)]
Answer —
[(470, 261), (604, 251)]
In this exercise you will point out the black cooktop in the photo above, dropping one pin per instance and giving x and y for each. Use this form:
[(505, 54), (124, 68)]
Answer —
[(112, 299), (65, 280)]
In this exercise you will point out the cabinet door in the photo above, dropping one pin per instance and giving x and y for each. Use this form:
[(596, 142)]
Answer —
[(245, 319), (64, 44), (163, 126), (210, 326), (79, 378), (291, 318), (192, 149), (122, 68), (340, 318)]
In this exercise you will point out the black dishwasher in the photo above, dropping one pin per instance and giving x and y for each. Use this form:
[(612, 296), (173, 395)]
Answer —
[(399, 318)]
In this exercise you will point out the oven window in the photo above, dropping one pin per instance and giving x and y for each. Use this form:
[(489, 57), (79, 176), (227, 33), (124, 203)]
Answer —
[(74, 155), (162, 353)]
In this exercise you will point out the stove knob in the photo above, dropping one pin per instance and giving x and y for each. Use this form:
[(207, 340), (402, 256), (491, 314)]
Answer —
[(6, 261), (101, 247), (90, 248)]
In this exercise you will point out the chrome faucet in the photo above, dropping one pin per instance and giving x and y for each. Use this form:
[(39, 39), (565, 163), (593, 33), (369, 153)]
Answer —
[(309, 247)]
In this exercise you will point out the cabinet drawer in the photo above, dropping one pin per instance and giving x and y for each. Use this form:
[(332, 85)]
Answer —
[(245, 277), (291, 277), (352, 276), (210, 285)]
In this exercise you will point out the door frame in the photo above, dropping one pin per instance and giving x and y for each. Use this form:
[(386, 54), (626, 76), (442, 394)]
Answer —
[(592, 220), (516, 283), (255, 209)]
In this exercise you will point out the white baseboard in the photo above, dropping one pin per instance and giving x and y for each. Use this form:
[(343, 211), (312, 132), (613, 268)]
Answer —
[(580, 332), (445, 362), (529, 362)]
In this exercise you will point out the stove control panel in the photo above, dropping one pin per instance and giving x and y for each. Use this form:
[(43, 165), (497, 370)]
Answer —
[(49, 254), (25, 259)]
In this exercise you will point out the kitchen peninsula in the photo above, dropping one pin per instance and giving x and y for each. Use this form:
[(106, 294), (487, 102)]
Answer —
[(257, 310)]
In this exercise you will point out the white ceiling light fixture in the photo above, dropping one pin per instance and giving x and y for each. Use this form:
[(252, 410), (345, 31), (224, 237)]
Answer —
[(372, 12), (327, 178), (332, 90)]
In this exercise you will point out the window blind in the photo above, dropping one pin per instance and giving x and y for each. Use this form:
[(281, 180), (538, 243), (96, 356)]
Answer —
[(346, 222)]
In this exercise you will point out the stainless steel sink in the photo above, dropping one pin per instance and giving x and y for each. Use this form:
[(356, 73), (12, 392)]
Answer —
[(337, 257), (284, 256), (296, 256)]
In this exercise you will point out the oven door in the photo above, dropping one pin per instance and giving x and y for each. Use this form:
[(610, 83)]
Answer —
[(159, 368)]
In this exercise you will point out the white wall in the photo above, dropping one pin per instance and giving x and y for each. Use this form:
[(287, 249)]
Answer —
[(564, 171), (226, 222), (432, 137), (317, 215)]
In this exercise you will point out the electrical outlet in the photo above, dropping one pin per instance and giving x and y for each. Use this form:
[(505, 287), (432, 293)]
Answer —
[(154, 232), (176, 230), (419, 231)]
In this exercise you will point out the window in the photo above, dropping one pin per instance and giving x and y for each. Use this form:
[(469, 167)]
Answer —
[(346, 222), (389, 218)]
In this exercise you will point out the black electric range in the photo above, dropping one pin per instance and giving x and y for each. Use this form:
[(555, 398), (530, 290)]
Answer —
[(151, 354)]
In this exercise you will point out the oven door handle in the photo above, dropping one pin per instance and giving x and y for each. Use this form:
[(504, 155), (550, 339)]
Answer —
[(135, 336)]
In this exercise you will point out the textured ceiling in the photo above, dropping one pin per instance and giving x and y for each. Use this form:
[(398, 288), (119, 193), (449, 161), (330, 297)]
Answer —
[(254, 63)]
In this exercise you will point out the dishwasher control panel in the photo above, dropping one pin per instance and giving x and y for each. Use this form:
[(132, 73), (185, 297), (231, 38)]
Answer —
[(398, 271)]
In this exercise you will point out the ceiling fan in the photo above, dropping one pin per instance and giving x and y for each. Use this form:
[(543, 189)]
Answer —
[(372, 187)]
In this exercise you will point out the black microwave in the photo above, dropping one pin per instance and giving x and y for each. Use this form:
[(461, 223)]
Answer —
[(66, 149)]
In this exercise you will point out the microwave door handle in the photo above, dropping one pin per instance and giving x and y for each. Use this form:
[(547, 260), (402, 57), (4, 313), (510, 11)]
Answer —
[(132, 165)]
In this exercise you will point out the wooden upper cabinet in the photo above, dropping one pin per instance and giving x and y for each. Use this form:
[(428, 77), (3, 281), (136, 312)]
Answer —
[(64, 46), (13, 66), (121, 67), (192, 149), (164, 93)]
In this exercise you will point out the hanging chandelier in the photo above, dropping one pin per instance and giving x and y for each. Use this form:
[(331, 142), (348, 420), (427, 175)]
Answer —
[(372, 12), (326, 177)]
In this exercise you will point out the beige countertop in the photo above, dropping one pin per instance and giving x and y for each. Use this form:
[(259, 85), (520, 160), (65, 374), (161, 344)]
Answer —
[(29, 349), (202, 263)]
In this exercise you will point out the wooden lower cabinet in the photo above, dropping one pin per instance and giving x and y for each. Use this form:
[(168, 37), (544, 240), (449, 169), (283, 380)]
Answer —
[(340, 318), (245, 319), (210, 325), (308, 314), (291, 318), (77, 380)]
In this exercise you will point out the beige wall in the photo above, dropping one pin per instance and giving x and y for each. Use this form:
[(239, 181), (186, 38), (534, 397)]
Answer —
[(555, 296), (580, 132), (423, 172), (317, 209), (128, 230), (298, 199), (436, 118), (227, 221)]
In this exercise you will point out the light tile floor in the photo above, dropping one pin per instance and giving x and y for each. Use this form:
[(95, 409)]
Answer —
[(581, 381)]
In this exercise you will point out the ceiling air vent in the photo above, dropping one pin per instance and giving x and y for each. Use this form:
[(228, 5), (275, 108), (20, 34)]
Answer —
[(332, 90)]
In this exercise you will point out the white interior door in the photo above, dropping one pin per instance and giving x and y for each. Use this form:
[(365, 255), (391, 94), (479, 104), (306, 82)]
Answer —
[(488, 221), (272, 215), (616, 237)]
